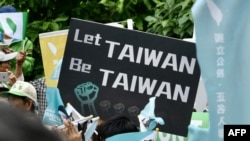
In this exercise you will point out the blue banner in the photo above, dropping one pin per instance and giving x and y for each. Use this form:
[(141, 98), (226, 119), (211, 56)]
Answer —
[(222, 39), (51, 115)]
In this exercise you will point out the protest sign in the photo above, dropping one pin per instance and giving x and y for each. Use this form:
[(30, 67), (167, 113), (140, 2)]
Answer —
[(52, 49), (222, 39), (108, 70), (51, 115)]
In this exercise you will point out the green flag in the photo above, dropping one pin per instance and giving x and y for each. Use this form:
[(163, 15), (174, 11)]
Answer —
[(14, 24)]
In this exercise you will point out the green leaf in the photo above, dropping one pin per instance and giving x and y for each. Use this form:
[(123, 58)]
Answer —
[(107, 3), (54, 26), (147, 4), (2, 3), (31, 3), (139, 24), (150, 19), (134, 1), (45, 26), (182, 20), (61, 19), (164, 23), (120, 5), (103, 2)]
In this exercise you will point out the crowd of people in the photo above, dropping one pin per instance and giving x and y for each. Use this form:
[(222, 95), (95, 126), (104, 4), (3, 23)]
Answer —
[(22, 103)]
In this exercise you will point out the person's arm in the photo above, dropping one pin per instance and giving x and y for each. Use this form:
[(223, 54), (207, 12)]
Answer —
[(20, 58), (28, 64), (71, 132), (12, 78)]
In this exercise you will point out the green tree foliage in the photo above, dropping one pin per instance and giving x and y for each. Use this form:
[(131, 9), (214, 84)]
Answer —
[(164, 17), (171, 18)]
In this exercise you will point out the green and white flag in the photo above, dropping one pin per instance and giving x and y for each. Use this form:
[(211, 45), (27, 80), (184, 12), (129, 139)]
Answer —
[(14, 24)]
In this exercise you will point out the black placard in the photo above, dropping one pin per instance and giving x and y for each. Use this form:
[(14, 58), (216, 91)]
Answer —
[(108, 70)]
